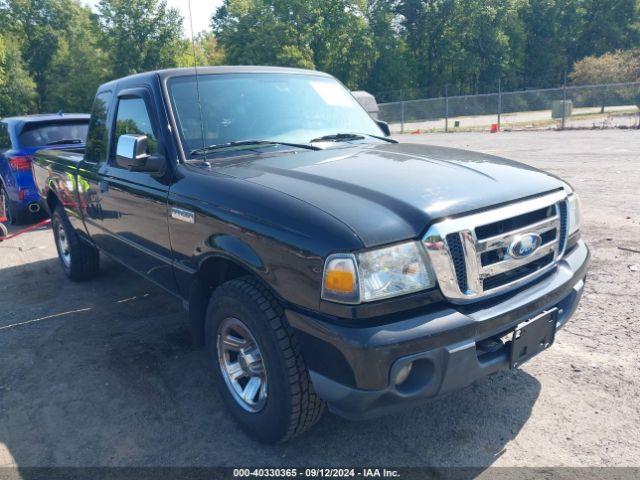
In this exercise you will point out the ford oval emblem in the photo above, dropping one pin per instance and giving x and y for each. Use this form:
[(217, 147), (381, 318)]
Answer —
[(524, 245)]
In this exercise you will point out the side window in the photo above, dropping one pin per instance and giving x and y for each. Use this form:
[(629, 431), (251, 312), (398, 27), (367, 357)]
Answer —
[(5, 140), (133, 119), (97, 139)]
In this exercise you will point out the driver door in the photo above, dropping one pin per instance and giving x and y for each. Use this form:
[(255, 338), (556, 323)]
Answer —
[(131, 221)]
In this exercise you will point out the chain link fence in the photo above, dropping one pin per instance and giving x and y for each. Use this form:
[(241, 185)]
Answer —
[(585, 106)]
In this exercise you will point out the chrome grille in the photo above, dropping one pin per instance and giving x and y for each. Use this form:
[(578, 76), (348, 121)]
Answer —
[(472, 255), (563, 225), (457, 255)]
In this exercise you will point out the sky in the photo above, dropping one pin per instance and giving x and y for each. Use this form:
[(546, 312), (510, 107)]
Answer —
[(201, 11)]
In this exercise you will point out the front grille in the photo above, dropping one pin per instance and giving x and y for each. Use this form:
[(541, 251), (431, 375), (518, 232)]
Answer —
[(457, 254), (493, 251), (563, 225), (510, 224), (549, 236), (544, 222), (494, 256), (516, 274)]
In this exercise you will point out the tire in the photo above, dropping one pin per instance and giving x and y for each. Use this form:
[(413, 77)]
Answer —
[(14, 215), (79, 260), (5, 202), (289, 406)]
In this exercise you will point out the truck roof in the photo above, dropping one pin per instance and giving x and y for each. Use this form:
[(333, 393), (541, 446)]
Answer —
[(46, 117), (179, 72)]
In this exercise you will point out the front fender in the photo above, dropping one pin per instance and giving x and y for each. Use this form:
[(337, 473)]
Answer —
[(237, 250), (230, 258)]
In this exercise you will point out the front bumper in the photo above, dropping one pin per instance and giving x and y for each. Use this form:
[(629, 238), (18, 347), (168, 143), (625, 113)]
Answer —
[(352, 368)]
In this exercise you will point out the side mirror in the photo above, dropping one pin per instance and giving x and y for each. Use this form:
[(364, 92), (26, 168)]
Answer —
[(132, 154), (384, 126)]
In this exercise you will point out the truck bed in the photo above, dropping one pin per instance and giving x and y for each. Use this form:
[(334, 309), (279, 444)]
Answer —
[(56, 170)]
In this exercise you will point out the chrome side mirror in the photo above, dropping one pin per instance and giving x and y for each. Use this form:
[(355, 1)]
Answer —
[(132, 153)]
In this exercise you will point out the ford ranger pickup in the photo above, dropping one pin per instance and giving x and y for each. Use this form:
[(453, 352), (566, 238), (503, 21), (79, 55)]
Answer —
[(322, 263)]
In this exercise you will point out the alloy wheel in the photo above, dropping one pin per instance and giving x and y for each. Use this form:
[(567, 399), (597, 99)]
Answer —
[(63, 245), (242, 365)]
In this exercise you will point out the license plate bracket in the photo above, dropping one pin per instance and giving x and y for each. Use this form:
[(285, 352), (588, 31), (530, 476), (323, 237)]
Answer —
[(532, 337)]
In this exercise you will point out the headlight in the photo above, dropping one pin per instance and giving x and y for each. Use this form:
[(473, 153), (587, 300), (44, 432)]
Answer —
[(573, 214), (377, 274)]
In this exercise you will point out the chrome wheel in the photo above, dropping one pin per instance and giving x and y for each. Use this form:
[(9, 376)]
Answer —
[(242, 365), (63, 245)]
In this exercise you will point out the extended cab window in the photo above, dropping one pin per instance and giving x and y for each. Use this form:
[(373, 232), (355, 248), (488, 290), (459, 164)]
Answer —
[(98, 139), (133, 119)]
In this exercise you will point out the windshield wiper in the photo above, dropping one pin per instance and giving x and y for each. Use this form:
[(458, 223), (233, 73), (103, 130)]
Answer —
[(64, 141), (249, 143), (345, 137), (338, 137)]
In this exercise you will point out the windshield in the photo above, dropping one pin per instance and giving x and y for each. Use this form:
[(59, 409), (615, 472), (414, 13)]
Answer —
[(53, 133), (291, 108)]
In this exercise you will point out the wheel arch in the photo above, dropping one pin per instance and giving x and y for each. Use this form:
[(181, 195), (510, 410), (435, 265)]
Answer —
[(212, 272)]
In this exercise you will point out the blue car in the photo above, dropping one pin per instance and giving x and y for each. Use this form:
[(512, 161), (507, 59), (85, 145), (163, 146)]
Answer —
[(20, 138)]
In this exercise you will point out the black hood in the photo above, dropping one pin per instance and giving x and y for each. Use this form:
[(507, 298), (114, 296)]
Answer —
[(392, 192)]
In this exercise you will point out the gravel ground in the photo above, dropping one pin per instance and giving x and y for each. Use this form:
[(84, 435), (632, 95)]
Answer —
[(103, 373)]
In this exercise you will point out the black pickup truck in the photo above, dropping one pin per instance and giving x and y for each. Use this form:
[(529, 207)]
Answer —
[(321, 262)]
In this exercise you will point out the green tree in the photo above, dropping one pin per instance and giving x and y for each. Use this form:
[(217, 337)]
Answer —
[(550, 29), (206, 48), (36, 25), (331, 35), (615, 67), (389, 72), (428, 30), (341, 39), (419, 46), (78, 67), (486, 43), (252, 33), (17, 89), (139, 35), (608, 26)]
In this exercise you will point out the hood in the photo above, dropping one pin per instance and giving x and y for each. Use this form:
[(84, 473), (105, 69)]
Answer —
[(391, 192)]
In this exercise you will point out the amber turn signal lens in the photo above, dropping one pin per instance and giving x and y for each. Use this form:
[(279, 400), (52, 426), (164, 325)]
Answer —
[(340, 281)]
